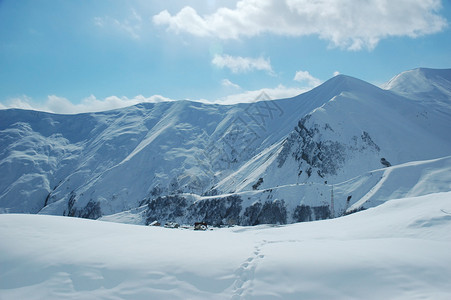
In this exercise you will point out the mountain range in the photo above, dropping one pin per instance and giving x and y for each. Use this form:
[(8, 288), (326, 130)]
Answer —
[(344, 146)]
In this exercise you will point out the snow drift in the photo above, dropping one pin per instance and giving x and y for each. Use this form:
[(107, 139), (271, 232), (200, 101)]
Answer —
[(398, 250)]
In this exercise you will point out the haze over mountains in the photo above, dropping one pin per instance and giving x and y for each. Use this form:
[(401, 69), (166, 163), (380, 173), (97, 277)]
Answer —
[(263, 162)]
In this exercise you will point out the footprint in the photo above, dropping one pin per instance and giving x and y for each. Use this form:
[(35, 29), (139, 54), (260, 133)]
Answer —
[(244, 276), (246, 272), (240, 271), (238, 284)]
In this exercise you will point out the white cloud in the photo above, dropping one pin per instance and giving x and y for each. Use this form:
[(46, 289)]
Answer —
[(305, 77), (62, 105), (279, 92), (238, 64), (345, 23), (131, 25), (227, 83), (336, 73), (187, 16)]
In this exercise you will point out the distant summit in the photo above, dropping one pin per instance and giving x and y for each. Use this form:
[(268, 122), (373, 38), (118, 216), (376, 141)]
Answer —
[(422, 83)]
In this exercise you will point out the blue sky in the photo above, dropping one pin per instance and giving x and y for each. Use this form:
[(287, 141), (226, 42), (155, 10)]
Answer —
[(72, 56)]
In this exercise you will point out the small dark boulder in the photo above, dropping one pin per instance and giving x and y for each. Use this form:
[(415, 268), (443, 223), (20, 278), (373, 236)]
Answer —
[(200, 226), (257, 184), (385, 162)]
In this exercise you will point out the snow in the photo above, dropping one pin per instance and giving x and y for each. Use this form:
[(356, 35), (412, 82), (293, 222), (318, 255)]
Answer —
[(397, 250), (405, 180), (235, 164), (367, 123), (107, 163), (422, 83)]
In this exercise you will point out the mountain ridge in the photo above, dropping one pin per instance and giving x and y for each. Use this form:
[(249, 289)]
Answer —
[(96, 164)]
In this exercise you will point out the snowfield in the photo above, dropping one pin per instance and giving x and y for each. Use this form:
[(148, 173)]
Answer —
[(400, 249)]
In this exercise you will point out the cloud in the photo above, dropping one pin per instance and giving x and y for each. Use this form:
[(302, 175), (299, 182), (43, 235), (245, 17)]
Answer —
[(131, 25), (279, 92), (336, 73), (229, 84), (23, 102), (353, 25), (238, 64), (187, 16), (61, 105), (304, 76)]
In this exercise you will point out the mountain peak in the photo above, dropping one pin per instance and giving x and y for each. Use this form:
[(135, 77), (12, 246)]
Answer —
[(343, 83), (418, 82)]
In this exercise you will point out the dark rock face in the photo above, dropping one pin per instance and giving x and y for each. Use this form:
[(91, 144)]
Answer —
[(316, 155), (306, 147), (302, 213), (321, 212), (257, 184), (305, 213), (366, 138), (166, 208), (216, 211), (90, 211), (220, 211), (70, 205), (273, 212), (213, 211)]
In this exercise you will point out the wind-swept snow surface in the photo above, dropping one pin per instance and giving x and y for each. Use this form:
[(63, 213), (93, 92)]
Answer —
[(423, 84), (398, 250)]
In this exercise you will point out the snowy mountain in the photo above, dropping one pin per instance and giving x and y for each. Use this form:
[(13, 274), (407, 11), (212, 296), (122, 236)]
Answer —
[(263, 162), (296, 202), (423, 84)]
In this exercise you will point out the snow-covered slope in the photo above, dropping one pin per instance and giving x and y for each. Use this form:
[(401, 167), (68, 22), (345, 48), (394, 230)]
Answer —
[(398, 250), (296, 202), (423, 84), (349, 135), (91, 164), (100, 164)]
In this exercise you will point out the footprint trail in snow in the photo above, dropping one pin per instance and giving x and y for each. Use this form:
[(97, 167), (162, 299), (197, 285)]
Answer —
[(243, 284)]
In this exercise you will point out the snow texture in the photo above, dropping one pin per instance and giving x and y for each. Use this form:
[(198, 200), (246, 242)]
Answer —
[(398, 250)]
